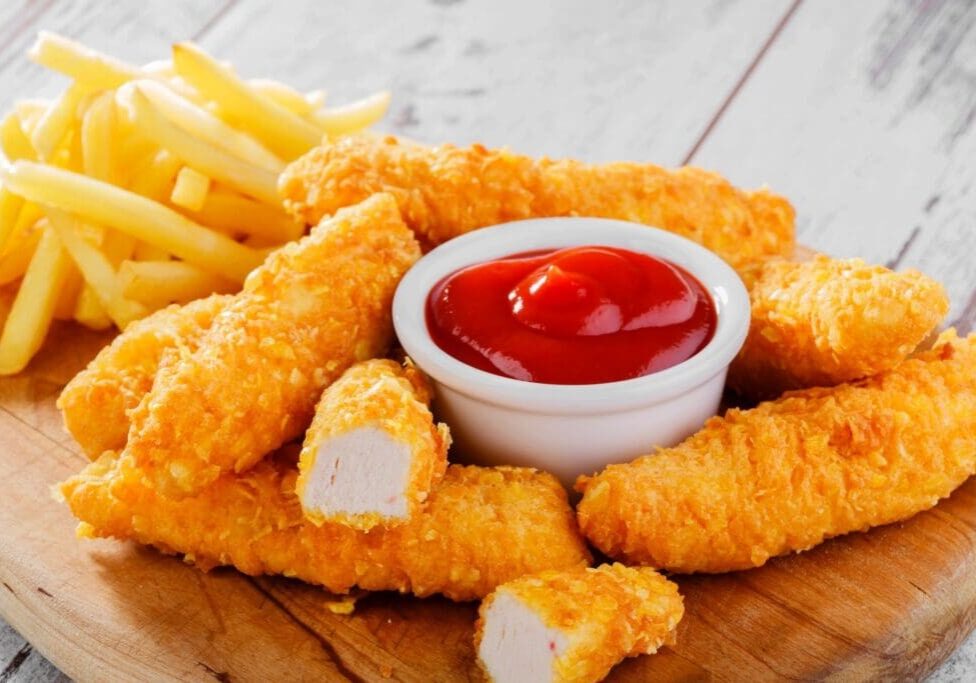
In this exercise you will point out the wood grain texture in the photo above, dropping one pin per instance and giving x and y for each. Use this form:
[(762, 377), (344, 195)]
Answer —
[(890, 604), (632, 80), (865, 116), (861, 112)]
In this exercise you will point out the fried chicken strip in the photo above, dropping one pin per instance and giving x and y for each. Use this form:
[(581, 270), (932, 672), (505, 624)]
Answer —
[(828, 321), (96, 403), (481, 528), (447, 191), (574, 625), (373, 452), (314, 308), (790, 473)]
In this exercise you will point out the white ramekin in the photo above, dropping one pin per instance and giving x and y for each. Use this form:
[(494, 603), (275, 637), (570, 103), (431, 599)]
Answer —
[(571, 429)]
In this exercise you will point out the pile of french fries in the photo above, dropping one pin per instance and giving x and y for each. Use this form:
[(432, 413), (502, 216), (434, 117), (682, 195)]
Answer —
[(138, 187)]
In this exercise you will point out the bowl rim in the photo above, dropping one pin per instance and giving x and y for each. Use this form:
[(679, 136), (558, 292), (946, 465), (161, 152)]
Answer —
[(719, 279)]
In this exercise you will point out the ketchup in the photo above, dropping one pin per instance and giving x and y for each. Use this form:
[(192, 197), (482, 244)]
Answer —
[(583, 315)]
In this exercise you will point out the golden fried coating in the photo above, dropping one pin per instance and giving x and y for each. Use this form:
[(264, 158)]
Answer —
[(373, 452), (481, 528), (314, 308), (96, 403), (446, 191), (790, 473), (829, 321), (574, 625)]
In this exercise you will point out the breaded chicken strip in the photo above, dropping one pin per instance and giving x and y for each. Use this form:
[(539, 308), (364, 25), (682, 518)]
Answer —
[(790, 473), (574, 625), (96, 403), (481, 528), (314, 308), (828, 321), (447, 191), (373, 452)]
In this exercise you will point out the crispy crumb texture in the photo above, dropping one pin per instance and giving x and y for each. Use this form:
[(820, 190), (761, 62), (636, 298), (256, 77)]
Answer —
[(596, 617), (393, 400), (314, 308), (447, 191), (96, 403), (482, 527), (790, 473), (829, 321)]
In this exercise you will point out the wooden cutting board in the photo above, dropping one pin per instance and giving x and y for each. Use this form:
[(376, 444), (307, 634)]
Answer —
[(888, 604)]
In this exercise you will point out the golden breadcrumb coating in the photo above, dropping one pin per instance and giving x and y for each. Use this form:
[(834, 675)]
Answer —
[(481, 527), (96, 403), (314, 308), (447, 191), (386, 396), (790, 473), (829, 321), (606, 614)]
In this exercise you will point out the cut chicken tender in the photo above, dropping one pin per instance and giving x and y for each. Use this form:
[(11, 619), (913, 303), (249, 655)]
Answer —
[(314, 308), (373, 452), (574, 625), (481, 528), (96, 403), (790, 473), (828, 321), (447, 191)]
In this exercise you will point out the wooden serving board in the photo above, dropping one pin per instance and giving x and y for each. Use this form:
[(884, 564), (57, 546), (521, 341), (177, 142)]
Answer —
[(888, 604)]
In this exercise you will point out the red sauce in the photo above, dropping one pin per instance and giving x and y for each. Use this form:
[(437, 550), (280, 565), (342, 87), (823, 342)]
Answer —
[(583, 315)]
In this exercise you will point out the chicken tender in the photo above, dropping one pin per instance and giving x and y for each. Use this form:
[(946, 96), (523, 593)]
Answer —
[(574, 625), (828, 321), (481, 528), (447, 191), (790, 473), (373, 452), (96, 403), (314, 308)]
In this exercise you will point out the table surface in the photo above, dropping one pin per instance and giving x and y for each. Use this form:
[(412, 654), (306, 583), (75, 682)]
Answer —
[(861, 113)]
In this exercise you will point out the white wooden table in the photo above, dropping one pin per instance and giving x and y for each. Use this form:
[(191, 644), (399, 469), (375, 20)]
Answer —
[(863, 113)]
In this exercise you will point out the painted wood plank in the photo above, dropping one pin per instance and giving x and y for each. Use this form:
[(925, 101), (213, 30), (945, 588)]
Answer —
[(562, 129), (136, 31), (631, 80), (863, 114)]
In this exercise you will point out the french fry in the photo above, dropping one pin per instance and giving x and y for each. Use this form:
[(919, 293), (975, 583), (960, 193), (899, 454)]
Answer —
[(64, 308), (234, 214), (159, 68), (30, 111), (7, 295), (89, 312), (209, 159), (95, 70), (14, 263), (14, 141), (132, 214), (353, 116), (10, 209), (282, 95), (316, 99), (155, 175), (147, 252), (159, 283), (98, 139), (190, 190), (52, 127), (33, 308), (97, 271), (283, 132), (207, 127), (118, 246)]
